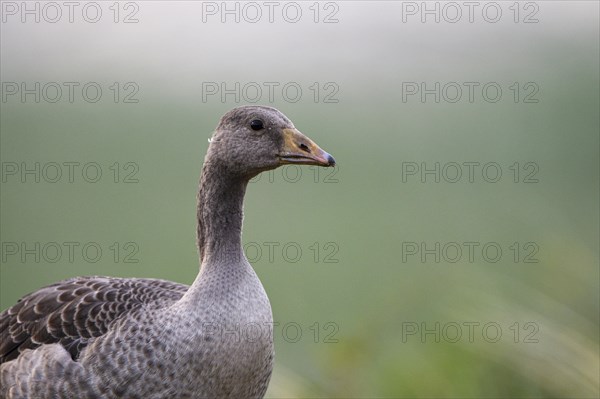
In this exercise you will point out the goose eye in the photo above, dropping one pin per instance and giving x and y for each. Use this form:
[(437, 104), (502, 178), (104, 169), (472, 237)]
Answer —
[(256, 124)]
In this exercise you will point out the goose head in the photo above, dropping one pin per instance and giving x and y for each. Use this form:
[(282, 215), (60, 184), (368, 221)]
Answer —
[(252, 139)]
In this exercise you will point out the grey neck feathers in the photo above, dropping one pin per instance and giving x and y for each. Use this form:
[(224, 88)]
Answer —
[(220, 214)]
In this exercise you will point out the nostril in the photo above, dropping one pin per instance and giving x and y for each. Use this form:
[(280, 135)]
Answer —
[(304, 147)]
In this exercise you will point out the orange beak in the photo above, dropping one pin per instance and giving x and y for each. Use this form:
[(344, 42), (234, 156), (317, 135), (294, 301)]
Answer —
[(299, 149)]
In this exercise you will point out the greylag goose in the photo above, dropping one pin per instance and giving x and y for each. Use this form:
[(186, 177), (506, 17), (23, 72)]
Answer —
[(105, 337)]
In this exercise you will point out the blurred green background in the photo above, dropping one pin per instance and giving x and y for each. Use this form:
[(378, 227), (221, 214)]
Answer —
[(355, 318)]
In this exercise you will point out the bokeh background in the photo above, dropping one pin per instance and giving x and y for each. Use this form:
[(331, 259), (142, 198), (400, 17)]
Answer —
[(358, 315)]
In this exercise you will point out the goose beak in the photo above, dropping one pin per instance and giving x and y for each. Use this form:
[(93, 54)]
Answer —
[(299, 149)]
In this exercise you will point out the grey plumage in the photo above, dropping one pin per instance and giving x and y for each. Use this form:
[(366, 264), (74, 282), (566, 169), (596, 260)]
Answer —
[(103, 337)]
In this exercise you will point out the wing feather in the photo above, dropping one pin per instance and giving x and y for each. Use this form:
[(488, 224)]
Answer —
[(74, 311)]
